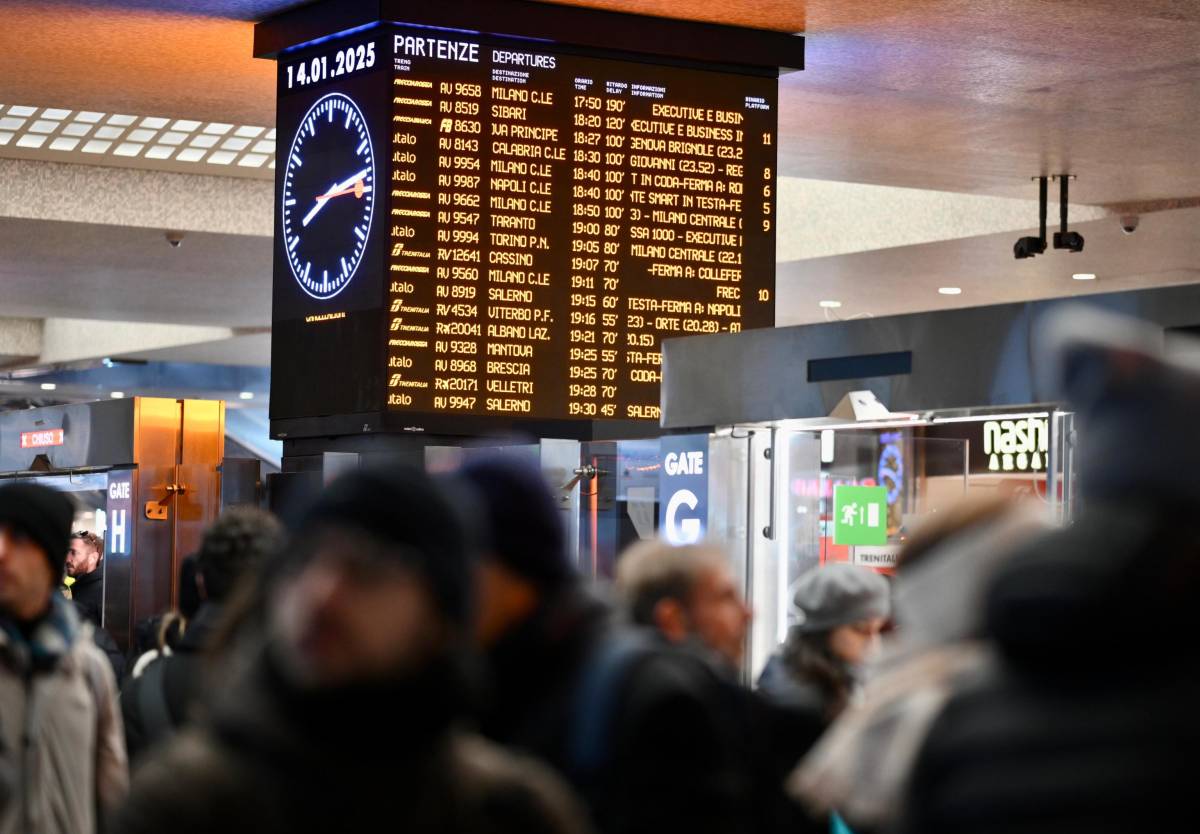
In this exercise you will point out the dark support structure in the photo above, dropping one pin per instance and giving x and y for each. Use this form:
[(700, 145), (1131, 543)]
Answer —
[(968, 358)]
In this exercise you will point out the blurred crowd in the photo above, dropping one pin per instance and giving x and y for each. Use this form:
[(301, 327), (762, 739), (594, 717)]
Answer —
[(417, 653)]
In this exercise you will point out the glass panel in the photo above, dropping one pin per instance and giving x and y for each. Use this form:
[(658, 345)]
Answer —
[(619, 506), (921, 476)]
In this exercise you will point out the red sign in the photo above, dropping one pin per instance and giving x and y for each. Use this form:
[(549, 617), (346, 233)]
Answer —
[(41, 439)]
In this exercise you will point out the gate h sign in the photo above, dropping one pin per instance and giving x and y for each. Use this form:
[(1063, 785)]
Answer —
[(119, 509), (860, 515)]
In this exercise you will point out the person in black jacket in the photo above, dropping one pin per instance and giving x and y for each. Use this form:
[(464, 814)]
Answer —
[(638, 729), (170, 688), (347, 714), (688, 597), (85, 565), (1086, 720)]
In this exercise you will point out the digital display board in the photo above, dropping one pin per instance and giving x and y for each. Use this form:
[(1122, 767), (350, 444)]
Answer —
[(498, 229)]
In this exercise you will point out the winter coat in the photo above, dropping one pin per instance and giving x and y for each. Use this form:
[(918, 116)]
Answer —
[(861, 767), (272, 759), (1086, 719), (87, 592), (778, 683), (57, 689), (171, 688), (661, 741)]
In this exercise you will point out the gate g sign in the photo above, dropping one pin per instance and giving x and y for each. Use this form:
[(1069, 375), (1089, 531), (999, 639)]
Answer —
[(860, 515), (683, 488)]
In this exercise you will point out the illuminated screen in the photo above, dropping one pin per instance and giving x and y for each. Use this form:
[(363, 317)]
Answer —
[(518, 226)]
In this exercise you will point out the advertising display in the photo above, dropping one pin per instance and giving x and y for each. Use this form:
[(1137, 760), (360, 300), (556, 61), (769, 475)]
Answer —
[(475, 231)]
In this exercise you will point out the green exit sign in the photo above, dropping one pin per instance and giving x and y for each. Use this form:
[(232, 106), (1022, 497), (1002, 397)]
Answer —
[(860, 515)]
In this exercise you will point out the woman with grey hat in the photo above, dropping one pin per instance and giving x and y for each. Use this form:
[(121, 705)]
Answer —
[(840, 611)]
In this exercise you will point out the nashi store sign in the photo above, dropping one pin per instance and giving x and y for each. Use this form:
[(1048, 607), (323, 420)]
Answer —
[(42, 439), (1017, 445)]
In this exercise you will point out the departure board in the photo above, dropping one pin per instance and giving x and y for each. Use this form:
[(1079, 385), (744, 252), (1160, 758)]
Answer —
[(547, 217)]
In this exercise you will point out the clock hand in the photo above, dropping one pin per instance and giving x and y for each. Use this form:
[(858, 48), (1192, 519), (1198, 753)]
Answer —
[(340, 188), (358, 189)]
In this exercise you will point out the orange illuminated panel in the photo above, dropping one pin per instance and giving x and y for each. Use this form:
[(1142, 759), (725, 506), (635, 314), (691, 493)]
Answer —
[(42, 439)]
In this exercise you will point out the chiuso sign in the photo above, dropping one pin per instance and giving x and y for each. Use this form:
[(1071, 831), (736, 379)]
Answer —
[(42, 439), (683, 488)]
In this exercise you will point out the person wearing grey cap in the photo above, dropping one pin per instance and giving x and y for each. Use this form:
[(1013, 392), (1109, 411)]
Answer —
[(840, 610)]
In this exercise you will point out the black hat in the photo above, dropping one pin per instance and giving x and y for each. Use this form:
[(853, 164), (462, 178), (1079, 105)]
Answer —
[(407, 508), (523, 529), (42, 514)]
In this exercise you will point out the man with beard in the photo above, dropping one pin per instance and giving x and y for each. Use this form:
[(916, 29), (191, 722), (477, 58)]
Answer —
[(347, 712)]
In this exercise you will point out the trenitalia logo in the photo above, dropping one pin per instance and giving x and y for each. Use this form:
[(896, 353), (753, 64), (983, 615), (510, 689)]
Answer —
[(42, 439)]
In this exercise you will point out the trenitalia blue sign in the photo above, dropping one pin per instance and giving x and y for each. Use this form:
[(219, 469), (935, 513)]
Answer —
[(683, 488)]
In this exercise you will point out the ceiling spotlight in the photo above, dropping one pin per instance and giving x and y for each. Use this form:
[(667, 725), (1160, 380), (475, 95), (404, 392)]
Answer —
[(246, 395), (48, 386), (831, 305), (950, 290), (117, 395), (1027, 247), (1084, 276)]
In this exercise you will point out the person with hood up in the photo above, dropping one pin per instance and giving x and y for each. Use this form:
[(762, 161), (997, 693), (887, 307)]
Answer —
[(1087, 720), (350, 712)]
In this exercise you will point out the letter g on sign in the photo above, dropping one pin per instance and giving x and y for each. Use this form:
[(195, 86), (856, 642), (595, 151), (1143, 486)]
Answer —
[(686, 530)]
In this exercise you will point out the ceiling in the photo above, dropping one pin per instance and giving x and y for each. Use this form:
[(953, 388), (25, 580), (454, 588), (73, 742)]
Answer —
[(1164, 250), (970, 96), (979, 95), (960, 95), (120, 273)]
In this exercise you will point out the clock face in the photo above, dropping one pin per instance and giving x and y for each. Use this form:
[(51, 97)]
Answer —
[(328, 196)]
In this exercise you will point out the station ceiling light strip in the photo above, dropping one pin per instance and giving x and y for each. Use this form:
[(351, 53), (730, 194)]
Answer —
[(208, 146)]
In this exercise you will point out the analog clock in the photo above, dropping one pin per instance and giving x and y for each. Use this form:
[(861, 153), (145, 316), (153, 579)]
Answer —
[(328, 196)]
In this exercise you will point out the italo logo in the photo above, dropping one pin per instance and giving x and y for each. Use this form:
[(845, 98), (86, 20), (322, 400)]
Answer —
[(1017, 445)]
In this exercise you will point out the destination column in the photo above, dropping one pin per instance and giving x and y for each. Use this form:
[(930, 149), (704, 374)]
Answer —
[(526, 158)]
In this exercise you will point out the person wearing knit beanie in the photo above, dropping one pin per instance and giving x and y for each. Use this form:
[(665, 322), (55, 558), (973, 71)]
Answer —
[(393, 546), (523, 565), (35, 528)]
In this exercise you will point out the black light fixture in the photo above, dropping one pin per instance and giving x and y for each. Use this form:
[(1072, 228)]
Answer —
[(1027, 247), (1072, 241)]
